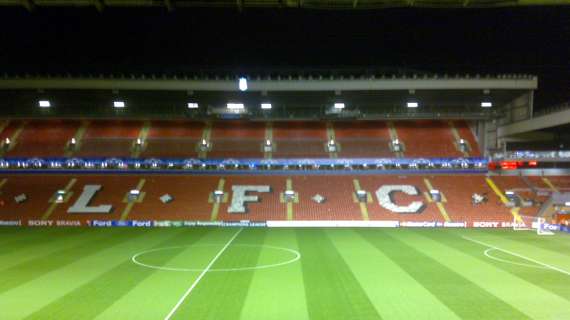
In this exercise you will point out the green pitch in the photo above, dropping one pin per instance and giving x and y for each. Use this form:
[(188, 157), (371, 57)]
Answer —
[(230, 273)]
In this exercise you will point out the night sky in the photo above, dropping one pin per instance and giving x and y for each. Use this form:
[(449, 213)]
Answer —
[(532, 40)]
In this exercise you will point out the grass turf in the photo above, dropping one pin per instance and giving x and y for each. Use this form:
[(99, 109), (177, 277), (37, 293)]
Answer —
[(342, 274)]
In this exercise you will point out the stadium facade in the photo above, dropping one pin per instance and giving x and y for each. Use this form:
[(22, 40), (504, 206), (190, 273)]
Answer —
[(397, 150)]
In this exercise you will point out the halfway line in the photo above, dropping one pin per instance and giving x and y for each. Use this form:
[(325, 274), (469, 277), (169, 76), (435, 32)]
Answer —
[(518, 255), (201, 275)]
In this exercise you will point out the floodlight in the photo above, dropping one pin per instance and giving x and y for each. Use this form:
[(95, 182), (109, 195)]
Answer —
[(567, 204), (339, 105), (236, 106), (486, 104), (192, 105), (332, 142), (268, 142), (44, 103), (118, 104), (242, 84), (412, 104), (266, 106)]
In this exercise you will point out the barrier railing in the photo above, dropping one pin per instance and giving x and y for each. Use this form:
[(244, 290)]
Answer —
[(243, 165)]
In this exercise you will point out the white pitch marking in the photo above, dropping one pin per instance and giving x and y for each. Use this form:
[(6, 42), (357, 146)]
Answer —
[(201, 276), (518, 255), (511, 262), (295, 253)]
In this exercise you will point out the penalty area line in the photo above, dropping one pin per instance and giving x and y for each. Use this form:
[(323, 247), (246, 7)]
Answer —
[(208, 267), (518, 255)]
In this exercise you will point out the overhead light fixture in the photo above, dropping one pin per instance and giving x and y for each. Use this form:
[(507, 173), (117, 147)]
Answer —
[(192, 105), (235, 106), (486, 104), (339, 105), (266, 106), (242, 84), (44, 103), (412, 104), (118, 104)]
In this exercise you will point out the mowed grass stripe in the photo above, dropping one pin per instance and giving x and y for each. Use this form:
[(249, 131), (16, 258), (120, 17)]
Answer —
[(105, 289), (31, 237), (547, 279), (463, 297), (221, 295), (30, 269), (32, 296), (331, 289), (493, 276), (273, 288), (159, 292), (394, 293), (43, 247)]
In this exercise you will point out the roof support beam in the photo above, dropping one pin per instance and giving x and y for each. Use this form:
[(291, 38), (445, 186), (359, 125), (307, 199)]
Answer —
[(29, 5), (239, 4), (169, 5), (99, 5), (354, 3), (270, 85)]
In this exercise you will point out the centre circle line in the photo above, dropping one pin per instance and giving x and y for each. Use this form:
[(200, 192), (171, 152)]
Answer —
[(296, 256)]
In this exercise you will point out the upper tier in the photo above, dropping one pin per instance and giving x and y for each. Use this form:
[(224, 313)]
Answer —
[(234, 139)]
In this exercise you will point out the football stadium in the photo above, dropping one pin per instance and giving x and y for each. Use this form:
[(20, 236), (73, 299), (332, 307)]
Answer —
[(283, 193)]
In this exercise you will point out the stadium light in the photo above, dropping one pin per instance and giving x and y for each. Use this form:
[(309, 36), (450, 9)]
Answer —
[(339, 105), (44, 103), (266, 106), (567, 204), (412, 104), (119, 104), (242, 84), (192, 105), (486, 104), (236, 106)]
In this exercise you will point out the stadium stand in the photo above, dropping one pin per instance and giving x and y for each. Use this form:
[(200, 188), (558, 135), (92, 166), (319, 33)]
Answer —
[(300, 139), (427, 138), (172, 139), (237, 139), (231, 139), (458, 190), (47, 138), (193, 199), (366, 139), (109, 138)]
